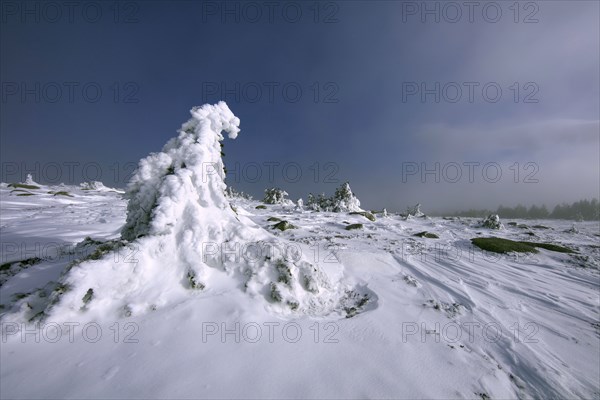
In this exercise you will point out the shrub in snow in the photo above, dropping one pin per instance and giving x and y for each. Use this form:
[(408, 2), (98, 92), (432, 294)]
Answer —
[(414, 211), (299, 205), (276, 196), (29, 180), (97, 186), (92, 185), (28, 184), (354, 226), (572, 229), (324, 202), (344, 200), (492, 221), (284, 226), (231, 193), (311, 202), (180, 230), (367, 214), (426, 234)]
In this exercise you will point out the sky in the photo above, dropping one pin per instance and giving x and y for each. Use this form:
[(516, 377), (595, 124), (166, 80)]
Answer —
[(454, 105)]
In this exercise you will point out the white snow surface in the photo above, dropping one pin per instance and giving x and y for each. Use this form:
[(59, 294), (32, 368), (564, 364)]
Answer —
[(541, 314)]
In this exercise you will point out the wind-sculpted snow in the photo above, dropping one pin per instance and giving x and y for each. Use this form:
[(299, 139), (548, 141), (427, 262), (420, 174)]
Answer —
[(419, 316), (184, 238), (188, 171)]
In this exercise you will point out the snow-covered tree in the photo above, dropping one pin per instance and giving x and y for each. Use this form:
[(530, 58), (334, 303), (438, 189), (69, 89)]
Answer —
[(311, 202), (180, 226), (276, 196), (29, 180), (324, 202), (231, 193), (414, 211), (492, 221), (344, 200)]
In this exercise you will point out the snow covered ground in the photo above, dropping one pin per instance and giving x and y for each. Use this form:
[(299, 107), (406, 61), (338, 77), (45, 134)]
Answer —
[(182, 292), (444, 319)]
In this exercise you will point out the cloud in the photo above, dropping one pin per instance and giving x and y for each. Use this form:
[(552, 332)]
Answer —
[(542, 162)]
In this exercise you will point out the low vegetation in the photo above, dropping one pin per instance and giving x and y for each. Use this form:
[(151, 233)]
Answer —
[(368, 215), (23, 186), (61, 193), (283, 226), (354, 226), (426, 234), (499, 245)]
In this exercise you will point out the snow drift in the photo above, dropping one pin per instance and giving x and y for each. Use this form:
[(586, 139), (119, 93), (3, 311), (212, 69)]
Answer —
[(183, 237)]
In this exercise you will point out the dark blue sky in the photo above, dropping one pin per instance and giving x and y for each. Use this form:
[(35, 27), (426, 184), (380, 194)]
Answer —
[(333, 87)]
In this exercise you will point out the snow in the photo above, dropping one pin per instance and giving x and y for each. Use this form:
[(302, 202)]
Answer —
[(178, 353), (492, 221), (441, 319), (343, 200), (29, 180), (181, 235), (415, 211)]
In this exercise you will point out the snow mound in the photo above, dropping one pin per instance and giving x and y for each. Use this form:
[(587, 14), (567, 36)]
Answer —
[(29, 181), (415, 212), (492, 221), (344, 200), (183, 238)]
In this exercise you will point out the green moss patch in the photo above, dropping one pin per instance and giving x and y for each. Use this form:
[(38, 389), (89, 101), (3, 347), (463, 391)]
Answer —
[(365, 214), (88, 296), (61, 193), (354, 226), (551, 247), (23, 186), (274, 219), (28, 262), (498, 245), (261, 207), (541, 227), (426, 234), (283, 226)]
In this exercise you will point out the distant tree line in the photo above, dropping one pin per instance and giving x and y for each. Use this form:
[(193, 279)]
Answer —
[(583, 210)]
